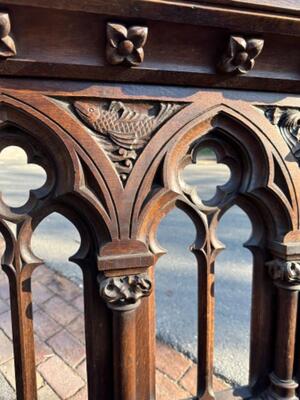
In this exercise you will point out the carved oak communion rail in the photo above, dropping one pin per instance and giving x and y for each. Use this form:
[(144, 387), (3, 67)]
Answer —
[(114, 140)]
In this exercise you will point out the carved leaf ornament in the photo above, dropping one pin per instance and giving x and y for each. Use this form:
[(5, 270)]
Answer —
[(125, 291)]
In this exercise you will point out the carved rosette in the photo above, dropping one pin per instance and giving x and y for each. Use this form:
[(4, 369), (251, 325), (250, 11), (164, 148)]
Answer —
[(7, 44), (284, 271), (287, 121), (240, 54), (125, 292), (125, 45)]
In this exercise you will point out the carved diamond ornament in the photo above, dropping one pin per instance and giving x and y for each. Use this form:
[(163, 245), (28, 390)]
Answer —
[(121, 130)]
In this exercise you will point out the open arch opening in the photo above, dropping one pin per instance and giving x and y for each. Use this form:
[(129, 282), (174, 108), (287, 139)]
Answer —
[(233, 292), (58, 310)]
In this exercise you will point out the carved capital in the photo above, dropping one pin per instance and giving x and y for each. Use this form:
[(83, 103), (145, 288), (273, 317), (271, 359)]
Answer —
[(284, 271), (123, 293), (7, 44), (240, 54), (125, 45)]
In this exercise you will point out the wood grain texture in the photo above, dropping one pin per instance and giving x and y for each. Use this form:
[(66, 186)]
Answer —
[(114, 155)]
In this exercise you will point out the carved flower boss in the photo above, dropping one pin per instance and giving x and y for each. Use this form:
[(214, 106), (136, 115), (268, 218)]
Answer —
[(125, 45), (241, 54)]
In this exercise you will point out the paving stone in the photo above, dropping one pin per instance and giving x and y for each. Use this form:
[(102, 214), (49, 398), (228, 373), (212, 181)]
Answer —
[(8, 370), (81, 395), (40, 292), (170, 362), (77, 328), (81, 370), (43, 274), (59, 310), (167, 389), (64, 288), (46, 393), (45, 326), (60, 377), (3, 306), (4, 289), (68, 348), (42, 350), (5, 323), (6, 391), (189, 381), (78, 303), (6, 348)]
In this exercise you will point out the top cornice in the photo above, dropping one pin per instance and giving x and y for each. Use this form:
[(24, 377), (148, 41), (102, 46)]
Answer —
[(282, 18)]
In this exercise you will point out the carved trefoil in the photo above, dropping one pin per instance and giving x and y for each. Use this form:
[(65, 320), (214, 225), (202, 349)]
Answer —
[(7, 44), (125, 45), (125, 292), (240, 54), (288, 122), (121, 130)]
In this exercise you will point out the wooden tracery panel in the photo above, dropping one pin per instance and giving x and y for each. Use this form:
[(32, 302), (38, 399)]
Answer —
[(113, 163)]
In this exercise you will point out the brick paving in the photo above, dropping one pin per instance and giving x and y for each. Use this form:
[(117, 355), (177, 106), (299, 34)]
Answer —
[(60, 350)]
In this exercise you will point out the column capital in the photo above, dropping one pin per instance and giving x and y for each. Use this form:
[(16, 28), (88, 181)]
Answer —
[(124, 293), (286, 272)]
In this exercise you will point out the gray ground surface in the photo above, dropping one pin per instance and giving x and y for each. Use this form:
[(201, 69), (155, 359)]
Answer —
[(6, 392), (56, 239)]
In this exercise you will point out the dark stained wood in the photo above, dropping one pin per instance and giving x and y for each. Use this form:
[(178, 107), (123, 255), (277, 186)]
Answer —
[(84, 92)]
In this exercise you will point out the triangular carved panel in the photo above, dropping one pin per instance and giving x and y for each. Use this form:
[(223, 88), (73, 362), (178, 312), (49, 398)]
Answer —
[(123, 129)]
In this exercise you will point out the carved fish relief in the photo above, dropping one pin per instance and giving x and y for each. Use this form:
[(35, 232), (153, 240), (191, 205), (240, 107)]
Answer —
[(121, 131)]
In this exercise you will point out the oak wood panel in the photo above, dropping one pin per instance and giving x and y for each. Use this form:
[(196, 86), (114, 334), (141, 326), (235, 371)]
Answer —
[(114, 154)]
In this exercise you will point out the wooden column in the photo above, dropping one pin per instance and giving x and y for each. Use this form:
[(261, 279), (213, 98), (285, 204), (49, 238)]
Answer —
[(123, 296), (286, 275)]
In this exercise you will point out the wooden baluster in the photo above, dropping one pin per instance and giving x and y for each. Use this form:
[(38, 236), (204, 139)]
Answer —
[(98, 330), (22, 329), (205, 326), (286, 275), (262, 324), (123, 296)]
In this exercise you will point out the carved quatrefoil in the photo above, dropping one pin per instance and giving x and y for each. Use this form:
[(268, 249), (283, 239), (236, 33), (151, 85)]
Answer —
[(240, 54), (7, 44), (125, 45)]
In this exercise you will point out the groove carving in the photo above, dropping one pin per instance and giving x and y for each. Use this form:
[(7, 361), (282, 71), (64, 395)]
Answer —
[(122, 131)]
